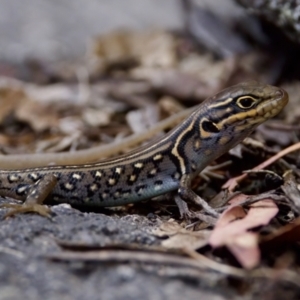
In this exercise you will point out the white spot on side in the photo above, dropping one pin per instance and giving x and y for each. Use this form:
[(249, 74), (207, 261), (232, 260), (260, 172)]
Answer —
[(98, 174), (132, 178), (13, 177), (140, 190), (34, 176), (104, 196), (69, 186), (76, 176), (197, 144), (22, 189), (111, 181), (118, 170), (153, 171), (94, 187), (157, 157), (157, 187), (177, 175), (138, 165)]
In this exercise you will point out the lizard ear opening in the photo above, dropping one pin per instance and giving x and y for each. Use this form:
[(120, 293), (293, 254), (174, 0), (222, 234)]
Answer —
[(209, 126)]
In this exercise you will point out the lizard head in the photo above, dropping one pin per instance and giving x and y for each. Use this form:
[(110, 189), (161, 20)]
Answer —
[(236, 111), (224, 120)]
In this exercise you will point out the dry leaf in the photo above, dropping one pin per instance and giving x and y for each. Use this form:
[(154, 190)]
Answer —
[(38, 115), (187, 239), (10, 99), (150, 49), (167, 229), (175, 83), (54, 93), (232, 229), (180, 237), (97, 117), (142, 119), (170, 105)]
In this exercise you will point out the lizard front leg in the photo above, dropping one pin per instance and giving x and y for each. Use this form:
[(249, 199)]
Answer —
[(186, 193), (35, 198)]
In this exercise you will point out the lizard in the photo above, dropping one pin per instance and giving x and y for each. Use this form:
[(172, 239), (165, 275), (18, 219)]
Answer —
[(166, 164)]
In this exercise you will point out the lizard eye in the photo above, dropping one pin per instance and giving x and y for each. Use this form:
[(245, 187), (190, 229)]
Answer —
[(245, 102), (209, 126)]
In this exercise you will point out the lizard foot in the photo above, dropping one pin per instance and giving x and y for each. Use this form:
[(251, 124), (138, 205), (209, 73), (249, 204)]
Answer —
[(25, 208)]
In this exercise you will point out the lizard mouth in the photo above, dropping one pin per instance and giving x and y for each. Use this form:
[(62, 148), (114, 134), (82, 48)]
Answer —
[(269, 108), (274, 104)]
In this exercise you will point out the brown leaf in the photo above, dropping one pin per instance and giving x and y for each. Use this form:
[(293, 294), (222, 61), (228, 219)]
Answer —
[(10, 98), (232, 229), (38, 115), (244, 248), (180, 237), (150, 49), (175, 83)]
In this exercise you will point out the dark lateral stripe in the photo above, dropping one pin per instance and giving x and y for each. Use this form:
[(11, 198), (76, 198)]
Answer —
[(217, 118)]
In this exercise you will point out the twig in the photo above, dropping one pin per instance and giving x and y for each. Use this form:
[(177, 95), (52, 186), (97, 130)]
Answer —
[(233, 182)]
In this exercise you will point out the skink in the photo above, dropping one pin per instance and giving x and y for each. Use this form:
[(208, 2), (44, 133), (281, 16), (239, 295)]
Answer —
[(164, 165)]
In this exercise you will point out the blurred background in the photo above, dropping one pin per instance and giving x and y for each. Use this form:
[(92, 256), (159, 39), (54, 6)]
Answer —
[(53, 30), (113, 62)]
